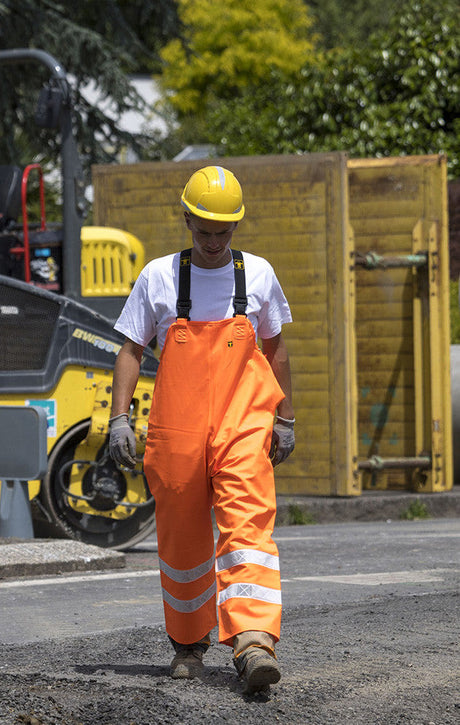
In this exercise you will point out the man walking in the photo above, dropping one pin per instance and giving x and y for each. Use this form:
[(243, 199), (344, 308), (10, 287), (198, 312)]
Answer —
[(221, 418)]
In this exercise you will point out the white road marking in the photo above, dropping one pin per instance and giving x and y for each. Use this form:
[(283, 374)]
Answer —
[(447, 535), (142, 601), (318, 536), (377, 578), (372, 579), (65, 579), (297, 538)]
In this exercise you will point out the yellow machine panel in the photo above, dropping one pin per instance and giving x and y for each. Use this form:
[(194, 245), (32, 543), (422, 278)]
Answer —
[(65, 411), (111, 260), (87, 451), (62, 398)]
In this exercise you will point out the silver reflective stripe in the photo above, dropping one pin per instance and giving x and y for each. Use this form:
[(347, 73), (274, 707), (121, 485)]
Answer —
[(187, 575), (189, 605), (221, 173), (250, 591), (247, 556)]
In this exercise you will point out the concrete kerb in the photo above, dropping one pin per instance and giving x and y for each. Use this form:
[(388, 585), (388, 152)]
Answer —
[(370, 506), (36, 557)]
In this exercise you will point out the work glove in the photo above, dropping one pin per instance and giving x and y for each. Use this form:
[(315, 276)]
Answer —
[(283, 440), (122, 442)]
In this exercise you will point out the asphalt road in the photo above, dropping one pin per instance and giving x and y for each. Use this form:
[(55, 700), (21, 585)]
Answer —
[(370, 636), (323, 564)]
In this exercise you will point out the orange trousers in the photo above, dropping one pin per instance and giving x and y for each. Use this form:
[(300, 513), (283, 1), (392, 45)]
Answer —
[(208, 447)]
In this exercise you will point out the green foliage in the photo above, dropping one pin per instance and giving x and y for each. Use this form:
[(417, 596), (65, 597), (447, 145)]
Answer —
[(399, 96), (346, 23), (298, 516), (227, 47), (454, 313), (139, 27), (415, 511)]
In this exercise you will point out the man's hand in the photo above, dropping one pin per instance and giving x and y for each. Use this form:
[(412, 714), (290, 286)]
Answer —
[(283, 440), (122, 443)]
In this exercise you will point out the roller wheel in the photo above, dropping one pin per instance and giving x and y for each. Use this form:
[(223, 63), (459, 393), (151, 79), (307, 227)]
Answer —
[(119, 534)]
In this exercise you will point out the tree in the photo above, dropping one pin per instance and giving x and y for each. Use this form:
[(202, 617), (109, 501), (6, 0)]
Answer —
[(100, 42), (400, 96), (346, 23), (140, 28), (225, 48)]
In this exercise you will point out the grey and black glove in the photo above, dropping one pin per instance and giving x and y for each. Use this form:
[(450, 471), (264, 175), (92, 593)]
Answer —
[(122, 443), (283, 440)]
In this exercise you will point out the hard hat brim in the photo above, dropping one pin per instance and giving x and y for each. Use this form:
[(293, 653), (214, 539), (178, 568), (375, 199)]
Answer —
[(235, 216)]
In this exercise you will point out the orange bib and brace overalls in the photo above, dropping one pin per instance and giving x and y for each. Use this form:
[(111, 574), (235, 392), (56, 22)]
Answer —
[(208, 446)]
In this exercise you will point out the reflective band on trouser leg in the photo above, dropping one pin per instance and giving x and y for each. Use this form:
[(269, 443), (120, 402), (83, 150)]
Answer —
[(214, 400), (247, 556), (187, 575)]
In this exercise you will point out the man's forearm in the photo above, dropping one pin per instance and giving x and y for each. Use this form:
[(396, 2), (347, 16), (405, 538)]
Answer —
[(125, 377), (277, 355)]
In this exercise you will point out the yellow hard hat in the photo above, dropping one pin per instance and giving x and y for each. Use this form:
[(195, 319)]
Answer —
[(214, 193)]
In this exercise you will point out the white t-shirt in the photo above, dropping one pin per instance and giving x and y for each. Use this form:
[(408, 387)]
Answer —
[(151, 307)]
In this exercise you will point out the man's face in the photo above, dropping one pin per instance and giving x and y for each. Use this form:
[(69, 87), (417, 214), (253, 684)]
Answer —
[(211, 241)]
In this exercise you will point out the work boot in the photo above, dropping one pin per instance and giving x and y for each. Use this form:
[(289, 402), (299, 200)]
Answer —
[(187, 663), (255, 661)]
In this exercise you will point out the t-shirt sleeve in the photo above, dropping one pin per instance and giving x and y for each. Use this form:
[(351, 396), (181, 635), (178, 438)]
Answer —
[(137, 320), (275, 311)]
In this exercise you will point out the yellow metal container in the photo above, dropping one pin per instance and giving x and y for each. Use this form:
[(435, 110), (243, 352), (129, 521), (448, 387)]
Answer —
[(368, 347)]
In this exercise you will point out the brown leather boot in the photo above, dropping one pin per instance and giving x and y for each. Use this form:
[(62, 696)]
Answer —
[(187, 663), (255, 661)]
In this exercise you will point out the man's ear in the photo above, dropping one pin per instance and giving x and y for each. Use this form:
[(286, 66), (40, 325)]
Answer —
[(187, 218)]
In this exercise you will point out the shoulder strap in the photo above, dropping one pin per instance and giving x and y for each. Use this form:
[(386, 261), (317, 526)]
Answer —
[(184, 303), (240, 301)]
